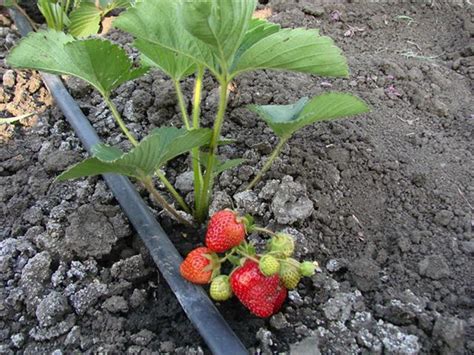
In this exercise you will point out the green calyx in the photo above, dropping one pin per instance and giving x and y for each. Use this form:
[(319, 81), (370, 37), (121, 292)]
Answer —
[(220, 289), (269, 265), (282, 243)]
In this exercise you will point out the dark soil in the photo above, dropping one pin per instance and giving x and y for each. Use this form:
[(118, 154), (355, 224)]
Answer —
[(388, 200)]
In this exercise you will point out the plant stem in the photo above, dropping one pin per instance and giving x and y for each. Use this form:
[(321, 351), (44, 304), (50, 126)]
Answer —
[(182, 105), (268, 163), (173, 191), (247, 256), (148, 184), (195, 153), (119, 120), (202, 210), (134, 141), (255, 228)]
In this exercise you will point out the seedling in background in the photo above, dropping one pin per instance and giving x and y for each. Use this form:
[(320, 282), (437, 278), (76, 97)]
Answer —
[(181, 38)]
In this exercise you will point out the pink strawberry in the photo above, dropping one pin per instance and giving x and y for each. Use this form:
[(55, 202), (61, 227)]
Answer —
[(262, 295)]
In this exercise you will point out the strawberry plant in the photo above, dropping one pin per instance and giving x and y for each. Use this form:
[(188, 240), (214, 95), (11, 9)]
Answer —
[(184, 38), (260, 281)]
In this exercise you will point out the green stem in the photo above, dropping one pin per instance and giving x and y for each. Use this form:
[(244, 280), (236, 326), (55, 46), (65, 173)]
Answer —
[(255, 228), (182, 105), (247, 256), (195, 153), (268, 163), (202, 210), (119, 120), (173, 191), (134, 141), (148, 184)]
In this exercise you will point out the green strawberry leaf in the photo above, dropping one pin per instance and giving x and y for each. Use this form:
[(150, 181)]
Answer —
[(284, 120), (220, 24), (162, 145), (220, 166), (173, 64), (101, 63), (298, 50), (54, 14), (105, 152), (159, 22), (85, 20)]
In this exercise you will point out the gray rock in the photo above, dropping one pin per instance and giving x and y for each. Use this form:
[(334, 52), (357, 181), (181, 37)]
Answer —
[(290, 203), (339, 307), (90, 233), (73, 337), (167, 346), (51, 309), (143, 337), (468, 247), (9, 79), (434, 267), (116, 304), (17, 340), (185, 182), (220, 200), (130, 269), (369, 341), (79, 270), (33, 276), (60, 160), (443, 217), (415, 74), (365, 274), (42, 334), (451, 330), (247, 202), (137, 298), (87, 297), (269, 190), (266, 341), (308, 346), (6, 271), (77, 87), (310, 8), (334, 265), (278, 321), (395, 341)]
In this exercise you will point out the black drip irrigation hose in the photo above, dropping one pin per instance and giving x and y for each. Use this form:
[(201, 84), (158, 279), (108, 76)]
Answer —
[(205, 317)]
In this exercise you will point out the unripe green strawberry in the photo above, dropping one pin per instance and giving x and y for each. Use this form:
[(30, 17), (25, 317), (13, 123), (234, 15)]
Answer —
[(290, 273), (220, 289), (282, 243), (308, 268), (269, 265)]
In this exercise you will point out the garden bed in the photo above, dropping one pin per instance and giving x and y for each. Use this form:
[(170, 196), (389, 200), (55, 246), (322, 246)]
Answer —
[(384, 200)]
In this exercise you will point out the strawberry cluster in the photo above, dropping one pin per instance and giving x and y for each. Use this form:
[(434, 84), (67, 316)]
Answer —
[(260, 281)]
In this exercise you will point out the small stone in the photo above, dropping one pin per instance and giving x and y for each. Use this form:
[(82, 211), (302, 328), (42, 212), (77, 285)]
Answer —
[(434, 267), (77, 87), (87, 297), (451, 330), (309, 346), (443, 217), (167, 346), (339, 307), (143, 337), (220, 201), (185, 182), (130, 269), (247, 202), (17, 340), (73, 337), (395, 341), (334, 265), (468, 247), (278, 321), (116, 304), (51, 309), (310, 8), (290, 203), (42, 334), (9, 79), (137, 298), (365, 274), (269, 190)]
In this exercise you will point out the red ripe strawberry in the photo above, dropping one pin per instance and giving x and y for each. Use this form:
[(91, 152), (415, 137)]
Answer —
[(199, 266), (262, 295), (224, 231)]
